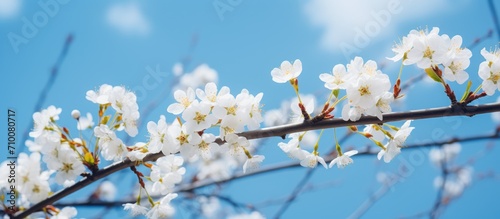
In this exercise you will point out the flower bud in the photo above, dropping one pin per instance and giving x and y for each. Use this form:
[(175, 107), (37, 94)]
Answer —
[(75, 114)]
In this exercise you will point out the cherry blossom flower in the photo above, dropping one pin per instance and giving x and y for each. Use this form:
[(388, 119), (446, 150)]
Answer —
[(429, 49), (489, 71), (198, 117), (403, 48), (227, 106), (166, 172), (252, 163), (112, 148), (37, 188), (391, 150), (287, 71), (42, 120), (135, 209), (158, 135), (101, 96), (293, 150), (207, 146), (367, 90), (251, 109), (343, 160), (337, 79), (183, 98), (85, 122), (230, 125), (210, 95), (182, 139), (162, 209), (457, 61), (234, 145), (312, 159), (69, 167), (393, 147)]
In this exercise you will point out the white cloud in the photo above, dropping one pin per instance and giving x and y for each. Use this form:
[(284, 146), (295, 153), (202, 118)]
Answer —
[(9, 8), (358, 23), (128, 18)]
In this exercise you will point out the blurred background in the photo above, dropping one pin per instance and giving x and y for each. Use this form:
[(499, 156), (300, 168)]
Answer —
[(52, 52)]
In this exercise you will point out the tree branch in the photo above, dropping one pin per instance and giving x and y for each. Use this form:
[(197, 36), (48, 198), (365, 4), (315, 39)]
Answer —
[(277, 131)]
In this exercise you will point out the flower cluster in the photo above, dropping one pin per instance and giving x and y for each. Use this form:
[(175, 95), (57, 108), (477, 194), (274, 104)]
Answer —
[(428, 49), (367, 88), (489, 71), (396, 139), (201, 111), (123, 102)]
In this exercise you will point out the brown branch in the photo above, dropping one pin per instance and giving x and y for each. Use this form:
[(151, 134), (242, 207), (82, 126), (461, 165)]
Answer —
[(276, 131)]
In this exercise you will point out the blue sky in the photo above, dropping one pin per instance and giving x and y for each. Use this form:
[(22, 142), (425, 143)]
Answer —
[(115, 42)]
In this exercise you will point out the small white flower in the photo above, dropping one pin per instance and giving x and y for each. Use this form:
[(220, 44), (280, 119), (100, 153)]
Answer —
[(166, 172), (293, 150), (393, 147), (457, 61), (210, 95), (37, 188), (112, 148), (230, 125), (366, 91), (101, 96), (251, 109), (429, 48), (135, 209), (344, 160), (391, 150), (69, 168), (207, 147), (234, 145), (85, 122), (163, 209), (252, 163), (311, 160), (402, 48), (198, 117), (184, 99), (158, 135), (287, 71), (337, 79), (489, 71)]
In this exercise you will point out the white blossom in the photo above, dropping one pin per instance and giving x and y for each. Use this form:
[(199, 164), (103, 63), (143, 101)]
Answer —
[(287, 71)]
